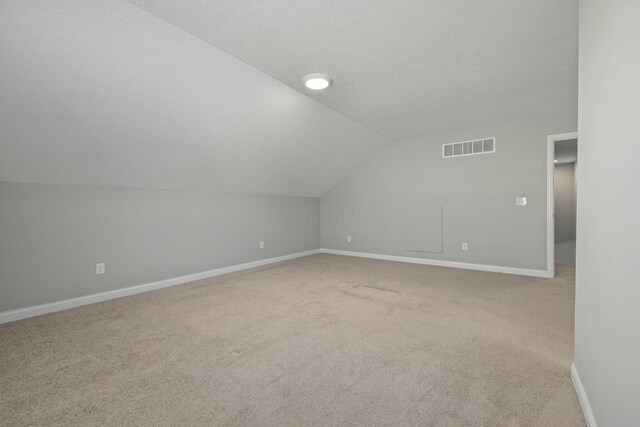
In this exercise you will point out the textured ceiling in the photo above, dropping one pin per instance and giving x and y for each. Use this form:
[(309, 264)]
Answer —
[(104, 93), (403, 67)]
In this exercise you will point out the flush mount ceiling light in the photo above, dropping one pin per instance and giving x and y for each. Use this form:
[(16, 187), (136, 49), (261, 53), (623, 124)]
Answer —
[(317, 81)]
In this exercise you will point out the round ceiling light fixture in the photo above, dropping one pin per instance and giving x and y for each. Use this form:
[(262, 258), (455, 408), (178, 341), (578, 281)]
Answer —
[(317, 81)]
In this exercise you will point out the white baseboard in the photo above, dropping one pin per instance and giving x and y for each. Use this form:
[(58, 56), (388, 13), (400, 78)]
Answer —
[(441, 263), (582, 397), (37, 310)]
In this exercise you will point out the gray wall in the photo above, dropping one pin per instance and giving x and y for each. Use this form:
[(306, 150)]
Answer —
[(477, 194), (51, 236), (607, 341), (564, 185)]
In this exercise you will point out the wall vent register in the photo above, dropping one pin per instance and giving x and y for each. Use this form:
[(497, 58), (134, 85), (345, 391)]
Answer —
[(469, 148)]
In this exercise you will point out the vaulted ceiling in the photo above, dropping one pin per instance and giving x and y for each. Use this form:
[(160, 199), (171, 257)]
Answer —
[(404, 68), (103, 93), (207, 94)]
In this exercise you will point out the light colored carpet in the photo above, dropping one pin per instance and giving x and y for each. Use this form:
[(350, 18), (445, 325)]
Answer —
[(322, 340)]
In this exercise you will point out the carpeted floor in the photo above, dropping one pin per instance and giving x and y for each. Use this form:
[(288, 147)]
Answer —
[(322, 340)]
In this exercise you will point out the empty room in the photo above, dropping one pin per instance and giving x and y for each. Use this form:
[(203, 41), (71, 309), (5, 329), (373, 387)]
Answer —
[(334, 213)]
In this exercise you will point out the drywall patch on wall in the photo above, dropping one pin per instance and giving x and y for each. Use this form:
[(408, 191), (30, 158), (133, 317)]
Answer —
[(423, 231)]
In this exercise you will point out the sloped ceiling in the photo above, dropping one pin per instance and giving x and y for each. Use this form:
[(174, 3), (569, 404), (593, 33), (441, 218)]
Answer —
[(104, 93), (201, 94), (404, 67)]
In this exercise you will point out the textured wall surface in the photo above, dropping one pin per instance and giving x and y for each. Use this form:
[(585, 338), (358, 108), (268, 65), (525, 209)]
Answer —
[(607, 342), (477, 194), (53, 235)]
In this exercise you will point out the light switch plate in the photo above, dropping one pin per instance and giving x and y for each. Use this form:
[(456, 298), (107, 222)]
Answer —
[(521, 201)]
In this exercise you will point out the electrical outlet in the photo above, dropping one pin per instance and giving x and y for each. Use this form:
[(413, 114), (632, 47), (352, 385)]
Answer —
[(261, 244), (349, 239), (100, 268), (521, 201), (465, 246)]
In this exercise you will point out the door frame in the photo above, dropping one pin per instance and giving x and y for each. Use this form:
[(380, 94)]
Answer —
[(551, 235)]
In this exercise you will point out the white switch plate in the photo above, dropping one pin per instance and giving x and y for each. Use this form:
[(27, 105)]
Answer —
[(100, 269), (521, 201), (261, 244), (349, 239), (465, 246)]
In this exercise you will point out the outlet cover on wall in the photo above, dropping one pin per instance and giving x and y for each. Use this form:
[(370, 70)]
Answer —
[(521, 201), (100, 268), (349, 239), (261, 244), (465, 246)]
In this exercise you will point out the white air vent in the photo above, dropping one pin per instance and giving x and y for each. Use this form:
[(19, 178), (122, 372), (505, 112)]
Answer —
[(469, 148)]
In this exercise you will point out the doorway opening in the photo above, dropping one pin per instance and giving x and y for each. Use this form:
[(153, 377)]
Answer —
[(562, 158)]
